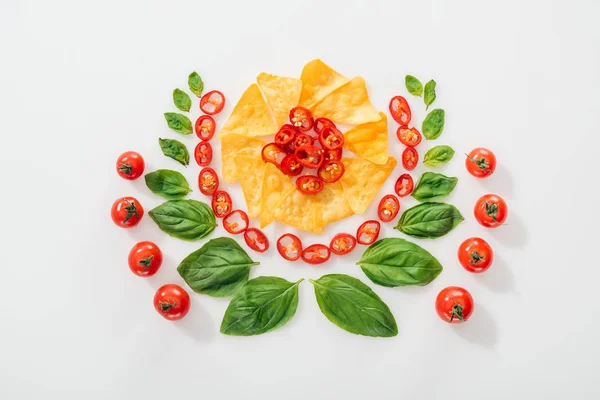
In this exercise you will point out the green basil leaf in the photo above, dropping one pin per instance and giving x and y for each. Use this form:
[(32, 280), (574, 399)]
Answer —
[(353, 306), (429, 220), (395, 262), (413, 85), (184, 219), (432, 186), (175, 150), (260, 306), (179, 123), (433, 124), (169, 184), (219, 268), (182, 100), (429, 97), (195, 83), (438, 155)]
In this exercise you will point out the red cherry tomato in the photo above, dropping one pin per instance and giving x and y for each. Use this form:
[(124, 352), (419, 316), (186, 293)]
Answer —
[(475, 255), (203, 153), (221, 204), (291, 166), (331, 171), (289, 246), (274, 154), (316, 254), (342, 243), (310, 156), (410, 158), (145, 259), (130, 165), (172, 302), (330, 138), (301, 118), (212, 102), (404, 185), (208, 181), (388, 208), (331, 155), (256, 240), (368, 232), (310, 184), (320, 123), (205, 127), (285, 135), (491, 210), (400, 110), (481, 162), (126, 212), (236, 222), (408, 136), (454, 304)]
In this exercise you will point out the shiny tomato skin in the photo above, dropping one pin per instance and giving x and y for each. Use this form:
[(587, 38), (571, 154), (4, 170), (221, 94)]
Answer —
[(221, 204), (145, 258), (370, 233), (205, 127), (301, 118), (203, 153), (491, 210), (212, 99), (475, 255), (130, 165), (310, 184), (256, 240), (481, 162), (208, 181), (291, 252), (316, 254), (409, 136), (400, 110), (126, 212), (410, 158), (404, 185), (234, 227), (342, 243), (172, 302), (389, 206), (454, 305)]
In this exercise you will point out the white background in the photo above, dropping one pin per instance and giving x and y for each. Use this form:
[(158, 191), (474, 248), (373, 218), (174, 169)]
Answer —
[(83, 81)]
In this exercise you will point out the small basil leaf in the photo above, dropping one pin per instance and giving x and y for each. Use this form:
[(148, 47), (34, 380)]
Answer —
[(169, 184), (179, 123), (438, 155), (429, 220), (182, 100), (260, 306), (395, 262), (195, 83), (353, 306), (184, 219), (429, 97), (175, 150), (432, 186), (413, 85), (433, 124), (219, 268)]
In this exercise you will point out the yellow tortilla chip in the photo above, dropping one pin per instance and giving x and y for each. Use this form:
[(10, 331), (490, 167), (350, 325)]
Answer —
[(282, 94), (251, 116), (362, 181), (370, 140), (275, 187), (252, 174), (349, 104), (318, 80), (300, 211), (334, 205), (233, 145)]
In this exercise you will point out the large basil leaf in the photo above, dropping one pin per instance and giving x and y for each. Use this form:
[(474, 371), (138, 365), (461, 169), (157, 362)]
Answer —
[(179, 123), (433, 124), (413, 85), (429, 220), (429, 96), (169, 184), (438, 155), (396, 262), (175, 150), (433, 186), (182, 100), (260, 306), (195, 83), (218, 268), (353, 306), (184, 219)]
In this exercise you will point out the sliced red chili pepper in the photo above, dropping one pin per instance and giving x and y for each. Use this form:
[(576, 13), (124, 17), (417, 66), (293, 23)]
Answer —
[(256, 240), (205, 127), (273, 154), (303, 139), (400, 110), (331, 155), (289, 246), (330, 138), (203, 153), (320, 123), (408, 136), (310, 184), (208, 181), (290, 165), (368, 232), (410, 158), (404, 185), (236, 222), (316, 254), (388, 208), (221, 204), (342, 243), (331, 171), (212, 102), (310, 156), (285, 135), (301, 118)]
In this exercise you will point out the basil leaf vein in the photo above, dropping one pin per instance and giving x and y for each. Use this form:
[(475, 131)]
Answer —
[(182, 100), (430, 96), (195, 83), (432, 186), (433, 124), (438, 155), (184, 219), (179, 123), (176, 150), (169, 184), (429, 220), (413, 85)]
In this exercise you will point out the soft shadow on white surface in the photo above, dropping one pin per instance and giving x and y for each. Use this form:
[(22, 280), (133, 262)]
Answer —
[(500, 183), (513, 232), (198, 323), (499, 278), (480, 329)]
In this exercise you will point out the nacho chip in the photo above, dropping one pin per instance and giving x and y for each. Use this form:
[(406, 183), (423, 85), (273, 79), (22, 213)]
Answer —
[(282, 94), (318, 80), (334, 205), (370, 140), (275, 187), (251, 116), (300, 211), (349, 104), (233, 145), (252, 174), (362, 181)]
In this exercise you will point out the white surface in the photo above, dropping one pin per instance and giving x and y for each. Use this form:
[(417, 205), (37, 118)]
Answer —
[(82, 82)]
